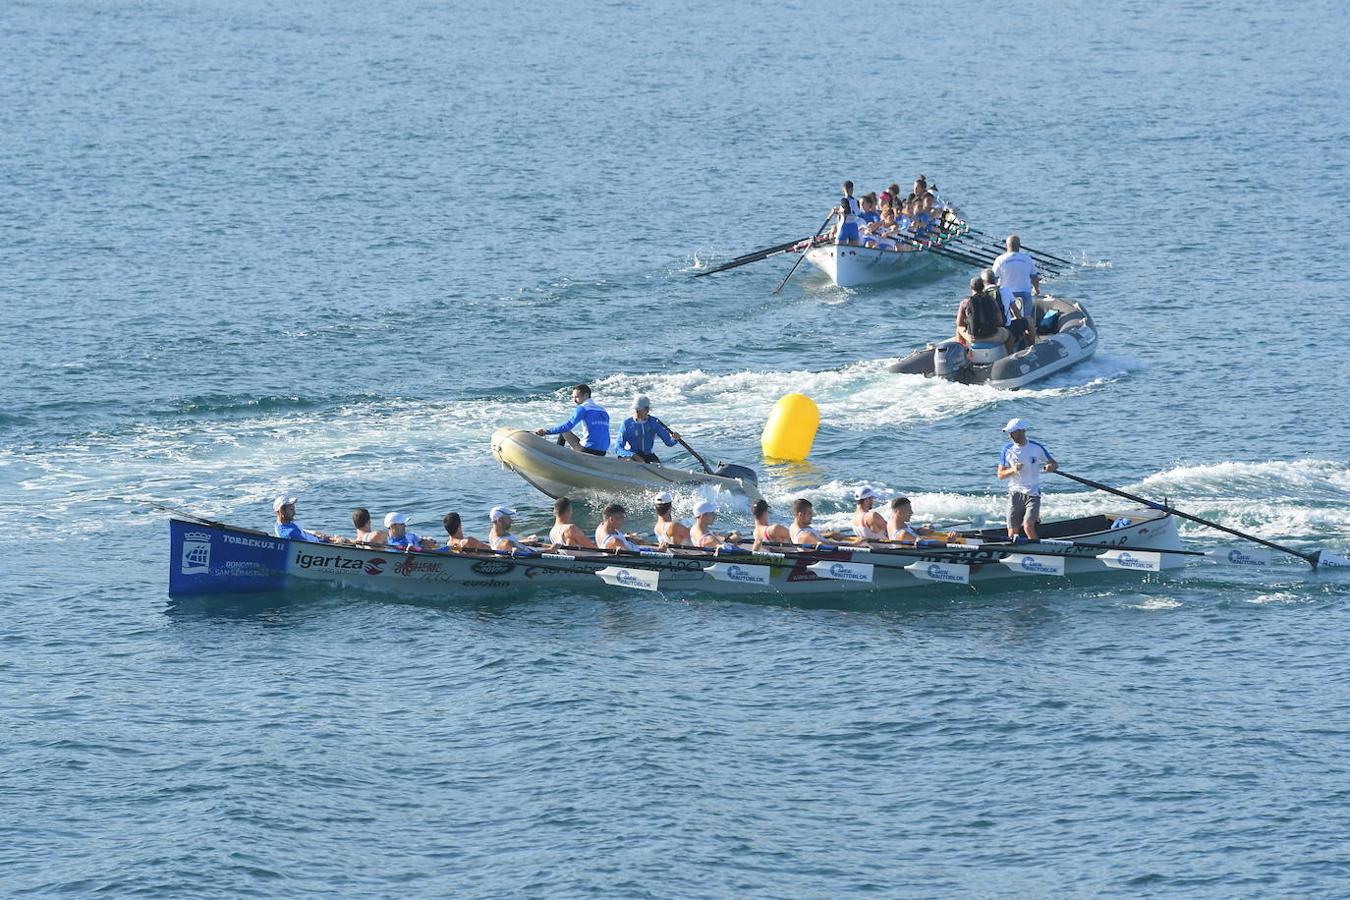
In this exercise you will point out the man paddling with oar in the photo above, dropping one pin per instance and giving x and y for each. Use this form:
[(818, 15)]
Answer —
[(639, 433)]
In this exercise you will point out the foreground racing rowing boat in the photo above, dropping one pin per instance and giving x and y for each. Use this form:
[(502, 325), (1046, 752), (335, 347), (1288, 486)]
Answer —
[(213, 558), (559, 471), (1068, 337)]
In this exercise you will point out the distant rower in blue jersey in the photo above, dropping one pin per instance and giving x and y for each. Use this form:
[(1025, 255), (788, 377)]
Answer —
[(286, 526), (639, 434), (846, 232), (588, 413)]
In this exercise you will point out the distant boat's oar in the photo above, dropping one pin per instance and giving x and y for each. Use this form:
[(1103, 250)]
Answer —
[(822, 227), (975, 247), (1031, 251), (942, 251), (1314, 559), (755, 256)]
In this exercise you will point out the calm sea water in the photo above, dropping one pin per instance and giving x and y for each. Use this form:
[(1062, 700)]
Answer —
[(328, 248)]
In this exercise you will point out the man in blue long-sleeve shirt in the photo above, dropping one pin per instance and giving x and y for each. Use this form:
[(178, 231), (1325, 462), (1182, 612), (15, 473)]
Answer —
[(589, 414), (639, 434)]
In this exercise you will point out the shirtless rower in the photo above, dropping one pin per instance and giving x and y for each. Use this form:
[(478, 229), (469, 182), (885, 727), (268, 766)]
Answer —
[(868, 525), (564, 533), (501, 539), (609, 534), (365, 534), (766, 531), (454, 535), (670, 532)]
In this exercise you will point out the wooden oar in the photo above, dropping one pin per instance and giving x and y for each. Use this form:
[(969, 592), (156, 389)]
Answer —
[(942, 251), (993, 251), (822, 227), (1314, 559), (1026, 249), (754, 256)]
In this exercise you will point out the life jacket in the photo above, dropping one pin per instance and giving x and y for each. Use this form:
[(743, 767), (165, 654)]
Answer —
[(984, 315)]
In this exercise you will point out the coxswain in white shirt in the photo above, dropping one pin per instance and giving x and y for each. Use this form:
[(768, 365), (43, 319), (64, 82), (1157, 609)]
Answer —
[(1022, 463), (1018, 280), (565, 533), (868, 524), (501, 539), (670, 532), (609, 534)]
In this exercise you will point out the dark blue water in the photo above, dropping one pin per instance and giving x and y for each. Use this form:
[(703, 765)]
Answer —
[(327, 249)]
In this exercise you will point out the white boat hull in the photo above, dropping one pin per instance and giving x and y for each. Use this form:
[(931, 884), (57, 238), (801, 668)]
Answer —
[(217, 559), (850, 266), (560, 471)]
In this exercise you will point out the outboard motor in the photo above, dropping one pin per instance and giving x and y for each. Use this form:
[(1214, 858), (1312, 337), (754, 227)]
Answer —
[(949, 360), (746, 474)]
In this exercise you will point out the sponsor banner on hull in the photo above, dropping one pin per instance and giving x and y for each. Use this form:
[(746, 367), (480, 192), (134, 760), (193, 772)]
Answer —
[(206, 560)]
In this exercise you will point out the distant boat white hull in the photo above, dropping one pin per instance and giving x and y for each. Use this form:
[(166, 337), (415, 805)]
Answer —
[(850, 266)]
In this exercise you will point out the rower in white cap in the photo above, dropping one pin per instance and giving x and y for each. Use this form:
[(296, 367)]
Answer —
[(286, 526), (501, 539), (639, 433), (1022, 463), (396, 523), (701, 535), (670, 532), (868, 524)]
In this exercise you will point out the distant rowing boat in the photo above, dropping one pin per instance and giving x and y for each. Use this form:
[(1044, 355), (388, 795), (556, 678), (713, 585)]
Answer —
[(213, 558)]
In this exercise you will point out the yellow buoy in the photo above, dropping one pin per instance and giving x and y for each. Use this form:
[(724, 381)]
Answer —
[(791, 428)]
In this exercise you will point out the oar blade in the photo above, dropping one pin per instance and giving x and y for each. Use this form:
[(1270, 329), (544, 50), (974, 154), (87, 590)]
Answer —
[(1328, 560), (739, 574), (638, 579), (947, 573), (1135, 560), (843, 571), (1032, 564), (1240, 556)]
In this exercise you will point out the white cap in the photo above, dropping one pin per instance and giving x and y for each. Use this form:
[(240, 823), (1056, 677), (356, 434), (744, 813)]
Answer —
[(863, 493), (641, 402), (663, 497), (1016, 425), (500, 512), (704, 507), (395, 519), (281, 501)]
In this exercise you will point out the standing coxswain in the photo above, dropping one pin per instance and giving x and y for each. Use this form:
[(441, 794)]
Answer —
[(1021, 463), (1019, 280)]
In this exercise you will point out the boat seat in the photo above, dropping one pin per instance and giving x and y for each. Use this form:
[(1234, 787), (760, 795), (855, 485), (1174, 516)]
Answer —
[(999, 337)]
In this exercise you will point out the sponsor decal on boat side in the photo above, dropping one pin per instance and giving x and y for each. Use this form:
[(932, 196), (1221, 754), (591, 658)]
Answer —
[(492, 567), (328, 561), (488, 583), (939, 572), (374, 566), (412, 564)]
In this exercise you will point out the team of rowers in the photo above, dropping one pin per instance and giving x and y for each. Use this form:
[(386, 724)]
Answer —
[(887, 220), (868, 525)]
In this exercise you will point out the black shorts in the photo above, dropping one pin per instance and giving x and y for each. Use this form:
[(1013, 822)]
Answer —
[(646, 457), (592, 452)]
